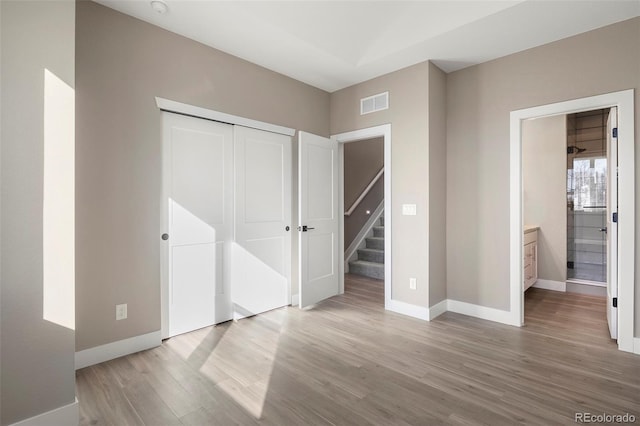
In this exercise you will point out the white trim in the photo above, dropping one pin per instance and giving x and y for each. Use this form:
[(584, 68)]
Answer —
[(66, 415), (636, 345), (209, 114), (358, 241), (117, 349), (437, 309), (404, 308), (358, 200), (383, 130), (551, 285), (586, 282), (482, 312), (624, 101), (295, 299)]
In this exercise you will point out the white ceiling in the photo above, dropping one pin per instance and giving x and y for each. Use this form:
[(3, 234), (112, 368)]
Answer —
[(335, 44)]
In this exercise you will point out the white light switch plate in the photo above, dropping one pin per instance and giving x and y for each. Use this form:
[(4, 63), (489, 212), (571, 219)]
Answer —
[(409, 210)]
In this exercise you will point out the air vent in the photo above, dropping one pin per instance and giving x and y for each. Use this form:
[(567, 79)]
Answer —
[(374, 103)]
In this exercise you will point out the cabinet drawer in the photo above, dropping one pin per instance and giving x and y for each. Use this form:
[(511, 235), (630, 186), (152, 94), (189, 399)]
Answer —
[(528, 254), (531, 237), (528, 273)]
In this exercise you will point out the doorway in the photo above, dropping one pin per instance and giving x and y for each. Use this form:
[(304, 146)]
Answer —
[(623, 301), (384, 132), (569, 186), (363, 198)]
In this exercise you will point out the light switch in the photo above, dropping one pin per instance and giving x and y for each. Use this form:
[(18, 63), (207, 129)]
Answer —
[(408, 209)]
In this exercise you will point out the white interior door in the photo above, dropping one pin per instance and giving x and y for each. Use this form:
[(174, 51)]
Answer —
[(318, 218), (197, 209), (262, 247), (612, 227)]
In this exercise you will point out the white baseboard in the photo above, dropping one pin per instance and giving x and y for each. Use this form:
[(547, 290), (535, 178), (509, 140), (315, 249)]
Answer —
[(437, 309), (295, 300), (67, 415), (636, 345), (551, 285), (482, 312), (117, 349), (404, 308), (464, 308)]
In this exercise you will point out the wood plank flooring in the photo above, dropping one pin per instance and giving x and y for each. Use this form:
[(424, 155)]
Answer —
[(349, 362)]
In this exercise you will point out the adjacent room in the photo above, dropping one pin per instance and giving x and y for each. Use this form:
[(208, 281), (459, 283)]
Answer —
[(319, 212)]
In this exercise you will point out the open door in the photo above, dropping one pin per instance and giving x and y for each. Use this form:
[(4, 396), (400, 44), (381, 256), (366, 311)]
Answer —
[(612, 225), (318, 218)]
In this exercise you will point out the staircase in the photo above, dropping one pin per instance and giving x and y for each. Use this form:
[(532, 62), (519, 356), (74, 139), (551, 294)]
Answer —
[(370, 262)]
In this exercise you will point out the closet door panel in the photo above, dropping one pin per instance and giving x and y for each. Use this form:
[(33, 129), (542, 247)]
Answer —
[(262, 247), (198, 217)]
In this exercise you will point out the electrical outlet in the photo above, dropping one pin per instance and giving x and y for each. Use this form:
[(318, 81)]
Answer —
[(412, 283), (121, 311)]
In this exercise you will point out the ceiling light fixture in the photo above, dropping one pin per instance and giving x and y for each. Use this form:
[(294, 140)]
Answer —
[(159, 6)]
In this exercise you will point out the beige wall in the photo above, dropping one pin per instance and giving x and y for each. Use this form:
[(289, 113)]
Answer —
[(437, 186), (122, 64), (544, 174), (479, 100), (362, 162), (409, 117), (37, 358)]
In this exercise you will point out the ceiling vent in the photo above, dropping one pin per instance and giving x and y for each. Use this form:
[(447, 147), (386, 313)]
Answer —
[(374, 103)]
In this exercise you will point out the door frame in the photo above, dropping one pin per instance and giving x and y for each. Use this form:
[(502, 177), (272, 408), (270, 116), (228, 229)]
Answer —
[(383, 131), (624, 101)]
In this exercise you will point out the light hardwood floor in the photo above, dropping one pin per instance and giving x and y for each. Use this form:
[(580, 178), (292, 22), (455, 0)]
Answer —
[(349, 362)]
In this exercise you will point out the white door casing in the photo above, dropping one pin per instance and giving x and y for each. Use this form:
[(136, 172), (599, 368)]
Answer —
[(197, 216), (318, 214), (612, 227), (262, 245)]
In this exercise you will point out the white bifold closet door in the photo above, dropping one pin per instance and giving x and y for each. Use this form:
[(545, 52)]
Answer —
[(198, 204), (262, 245), (226, 214)]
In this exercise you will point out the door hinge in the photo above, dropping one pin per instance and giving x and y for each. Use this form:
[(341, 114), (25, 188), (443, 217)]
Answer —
[(615, 302), (614, 132), (615, 217)]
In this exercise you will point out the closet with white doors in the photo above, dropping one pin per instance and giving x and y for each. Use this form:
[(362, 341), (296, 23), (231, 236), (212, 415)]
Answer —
[(226, 222)]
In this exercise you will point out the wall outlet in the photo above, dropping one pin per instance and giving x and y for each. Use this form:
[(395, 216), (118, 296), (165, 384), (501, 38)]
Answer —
[(121, 311), (412, 283)]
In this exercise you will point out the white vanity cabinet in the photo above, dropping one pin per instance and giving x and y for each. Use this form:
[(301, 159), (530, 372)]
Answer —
[(530, 256)]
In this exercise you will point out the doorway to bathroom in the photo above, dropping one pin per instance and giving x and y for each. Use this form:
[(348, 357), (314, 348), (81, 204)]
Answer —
[(569, 182), (618, 260)]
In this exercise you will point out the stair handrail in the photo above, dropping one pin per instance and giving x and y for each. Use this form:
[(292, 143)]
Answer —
[(358, 200)]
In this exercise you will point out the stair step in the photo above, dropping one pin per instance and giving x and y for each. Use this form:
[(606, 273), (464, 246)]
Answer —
[(371, 255), (375, 243), (378, 231), (368, 269)]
